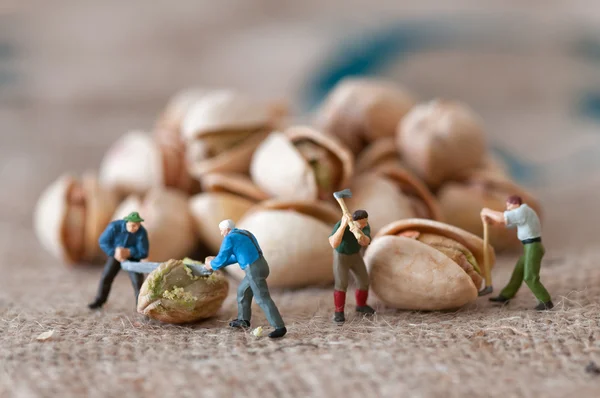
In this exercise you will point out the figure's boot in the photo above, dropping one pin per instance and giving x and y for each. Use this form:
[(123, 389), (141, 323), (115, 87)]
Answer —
[(361, 302), (339, 300)]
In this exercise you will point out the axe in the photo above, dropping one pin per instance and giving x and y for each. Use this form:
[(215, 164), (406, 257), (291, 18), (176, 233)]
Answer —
[(339, 196)]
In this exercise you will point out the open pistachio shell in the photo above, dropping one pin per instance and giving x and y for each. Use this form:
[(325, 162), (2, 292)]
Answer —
[(360, 111), (173, 294), (169, 122), (293, 236), (221, 131), (70, 216), (461, 203), (226, 196), (381, 152), (301, 164), (408, 274), (440, 140), (170, 226)]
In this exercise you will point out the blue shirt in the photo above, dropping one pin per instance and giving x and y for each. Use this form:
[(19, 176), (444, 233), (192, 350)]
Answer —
[(116, 235), (237, 248)]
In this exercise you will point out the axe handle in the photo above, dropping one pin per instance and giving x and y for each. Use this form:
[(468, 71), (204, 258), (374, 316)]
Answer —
[(358, 234)]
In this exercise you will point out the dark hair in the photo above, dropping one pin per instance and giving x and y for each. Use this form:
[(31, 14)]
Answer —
[(514, 200), (359, 215)]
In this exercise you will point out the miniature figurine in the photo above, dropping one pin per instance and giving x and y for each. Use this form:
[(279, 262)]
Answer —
[(240, 246), (122, 240), (529, 232), (348, 237)]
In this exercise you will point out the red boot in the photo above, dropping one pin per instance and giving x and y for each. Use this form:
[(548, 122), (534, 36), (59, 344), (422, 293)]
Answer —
[(339, 299), (361, 302)]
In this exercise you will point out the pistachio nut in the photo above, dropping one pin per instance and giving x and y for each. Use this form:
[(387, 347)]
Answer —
[(71, 214), (361, 110), (137, 163), (381, 152), (461, 203), (221, 131), (301, 163), (170, 226), (293, 236), (392, 193), (225, 196), (168, 125), (418, 264), (440, 140), (173, 294)]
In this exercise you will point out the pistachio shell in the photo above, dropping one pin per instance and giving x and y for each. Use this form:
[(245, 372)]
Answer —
[(408, 274), (294, 239), (170, 226), (440, 140), (69, 227), (229, 196), (172, 294), (381, 152), (279, 168), (461, 202), (170, 120), (359, 111)]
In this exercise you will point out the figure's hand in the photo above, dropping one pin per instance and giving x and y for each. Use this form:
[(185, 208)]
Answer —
[(126, 253), (345, 220), (119, 254), (207, 262), (484, 216)]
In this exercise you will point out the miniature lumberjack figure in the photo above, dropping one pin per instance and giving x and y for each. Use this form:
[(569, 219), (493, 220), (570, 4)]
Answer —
[(346, 258), (529, 232), (122, 240), (240, 246)]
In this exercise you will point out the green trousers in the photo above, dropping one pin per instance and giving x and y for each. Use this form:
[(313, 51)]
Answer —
[(254, 285), (528, 270)]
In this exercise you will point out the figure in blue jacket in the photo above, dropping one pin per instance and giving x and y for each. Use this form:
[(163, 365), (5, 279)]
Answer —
[(240, 246), (122, 240)]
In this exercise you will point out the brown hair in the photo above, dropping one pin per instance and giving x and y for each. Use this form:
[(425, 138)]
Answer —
[(359, 215), (514, 200)]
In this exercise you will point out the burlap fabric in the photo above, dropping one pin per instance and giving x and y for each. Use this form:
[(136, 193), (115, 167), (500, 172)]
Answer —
[(65, 119)]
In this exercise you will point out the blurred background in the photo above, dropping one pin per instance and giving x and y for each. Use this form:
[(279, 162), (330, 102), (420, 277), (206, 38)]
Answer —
[(76, 75)]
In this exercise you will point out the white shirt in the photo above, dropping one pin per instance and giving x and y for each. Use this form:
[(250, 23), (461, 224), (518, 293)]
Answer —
[(526, 220)]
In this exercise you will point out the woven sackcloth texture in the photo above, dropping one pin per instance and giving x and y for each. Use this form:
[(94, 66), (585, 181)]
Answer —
[(66, 103)]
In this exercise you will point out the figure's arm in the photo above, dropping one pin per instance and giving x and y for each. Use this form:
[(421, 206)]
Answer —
[(225, 256), (335, 240), (492, 217), (106, 241), (365, 238), (141, 247)]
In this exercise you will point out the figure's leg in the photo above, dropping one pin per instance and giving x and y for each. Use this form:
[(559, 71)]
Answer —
[(359, 269), (111, 269), (257, 273), (534, 252), (514, 284), (340, 272), (137, 279), (244, 299)]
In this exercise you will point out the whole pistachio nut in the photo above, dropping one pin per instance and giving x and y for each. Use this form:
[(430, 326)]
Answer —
[(222, 129), (301, 164), (170, 226), (440, 140), (418, 264), (293, 236), (392, 193), (225, 196), (173, 294), (71, 214), (380, 153), (461, 203), (360, 110), (137, 163)]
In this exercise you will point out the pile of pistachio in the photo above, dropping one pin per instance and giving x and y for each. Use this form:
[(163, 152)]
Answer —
[(219, 154)]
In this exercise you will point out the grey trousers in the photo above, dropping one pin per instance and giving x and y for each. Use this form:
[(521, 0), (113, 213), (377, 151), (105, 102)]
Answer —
[(343, 264), (255, 285)]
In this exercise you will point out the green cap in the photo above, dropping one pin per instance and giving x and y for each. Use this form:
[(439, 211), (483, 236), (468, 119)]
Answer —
[(134, 216)]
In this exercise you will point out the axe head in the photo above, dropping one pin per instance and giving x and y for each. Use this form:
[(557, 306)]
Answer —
[(346, 193)]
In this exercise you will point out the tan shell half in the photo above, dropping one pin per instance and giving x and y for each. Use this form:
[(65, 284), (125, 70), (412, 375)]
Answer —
[(170, 226), (226, 196), (172, 294), (169, 122), (408, 274), (70, 230), (380, 153), (440, 140), (294, 239), (392, 193), (462, 201), (360, 110), (279, 168)]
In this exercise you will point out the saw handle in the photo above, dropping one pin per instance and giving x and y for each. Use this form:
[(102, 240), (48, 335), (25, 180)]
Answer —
[(357, 234)]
